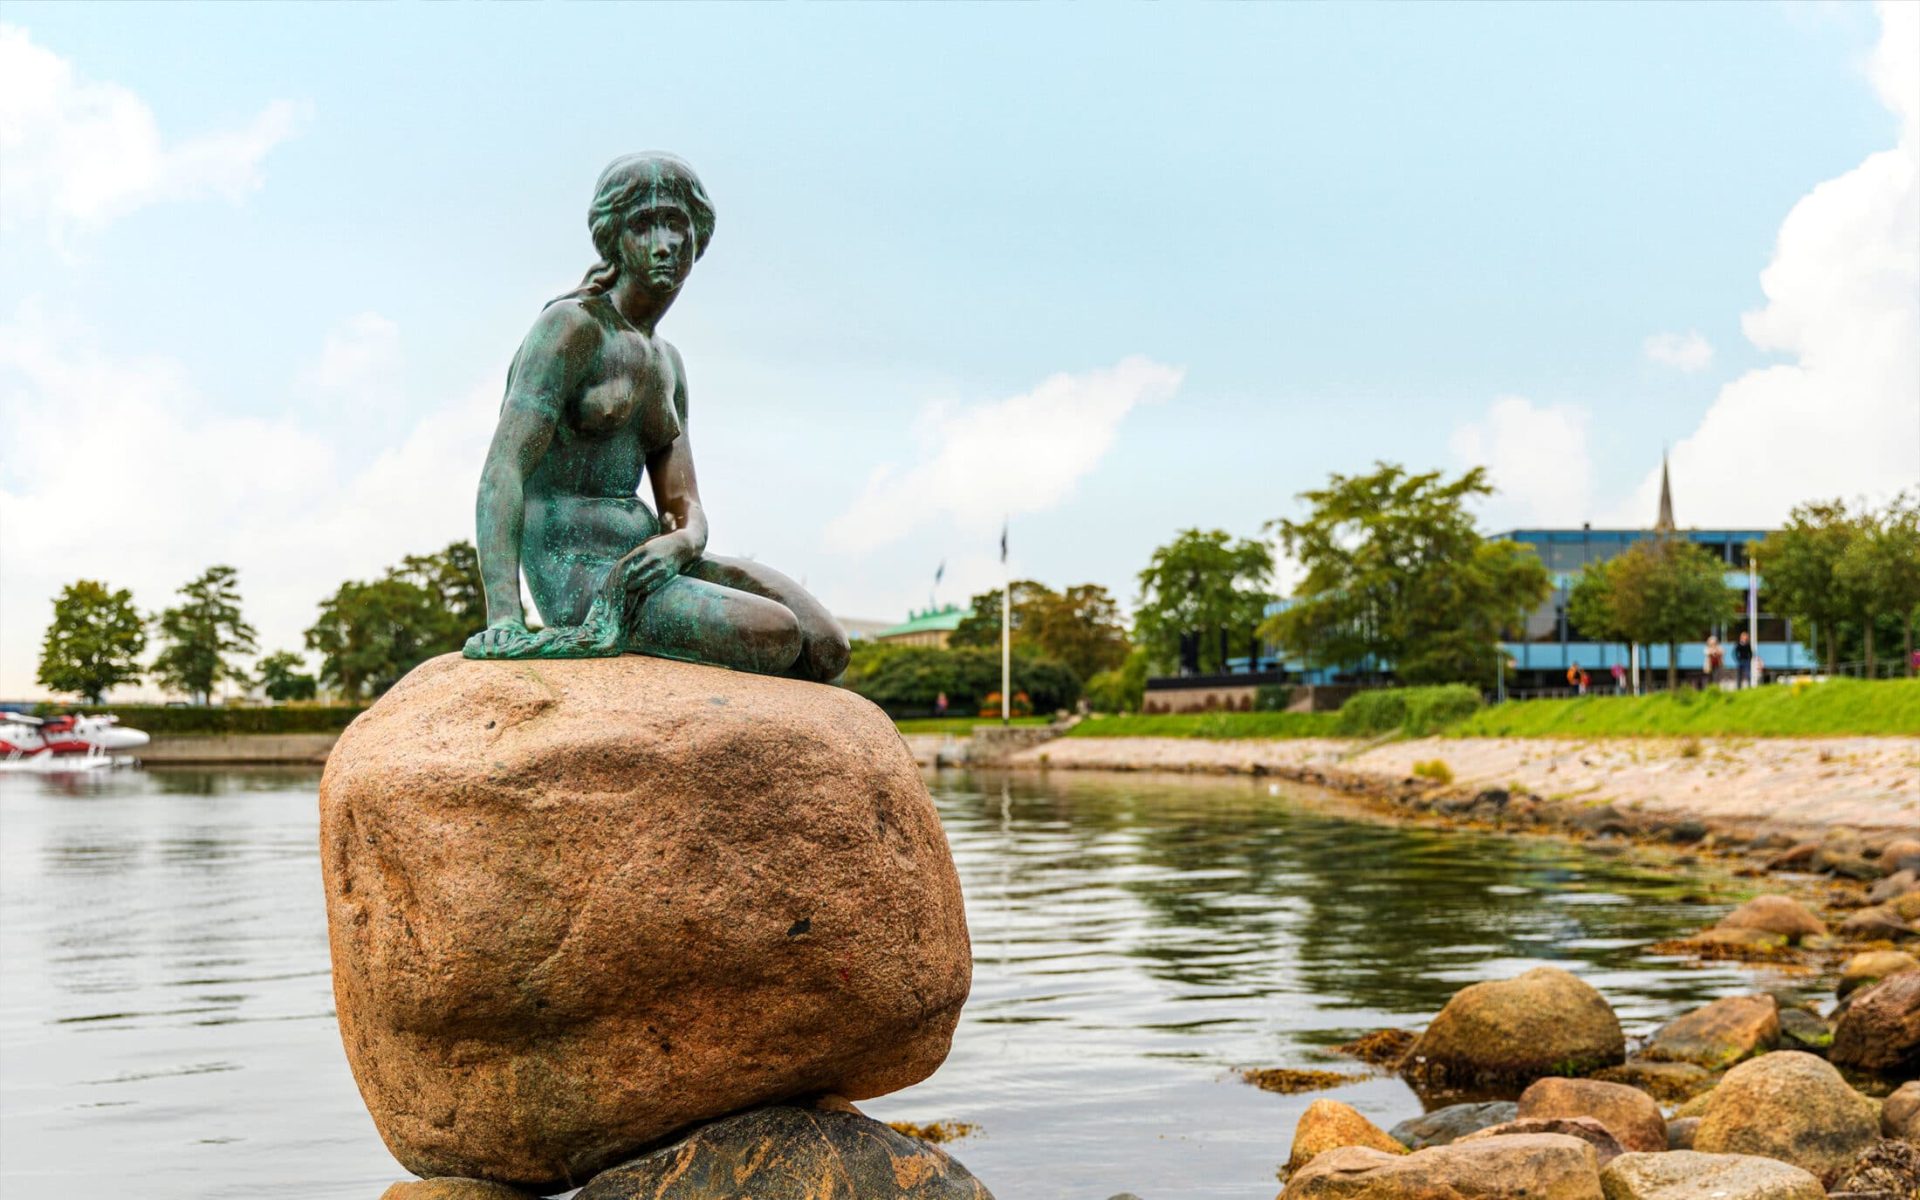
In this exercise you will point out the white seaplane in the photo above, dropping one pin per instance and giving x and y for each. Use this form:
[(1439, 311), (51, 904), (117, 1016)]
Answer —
[(56, 745)]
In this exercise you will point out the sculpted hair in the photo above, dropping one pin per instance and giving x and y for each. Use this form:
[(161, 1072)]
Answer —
[(626, 181)]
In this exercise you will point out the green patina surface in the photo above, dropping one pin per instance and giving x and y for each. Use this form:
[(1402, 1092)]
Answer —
[(596, 402)]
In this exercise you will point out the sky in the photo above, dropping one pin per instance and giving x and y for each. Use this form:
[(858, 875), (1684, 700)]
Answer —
[(1103, 272)]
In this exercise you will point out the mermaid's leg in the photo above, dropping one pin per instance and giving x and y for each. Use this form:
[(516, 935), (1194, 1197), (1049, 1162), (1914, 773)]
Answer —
[(823, 644), (696, 621)]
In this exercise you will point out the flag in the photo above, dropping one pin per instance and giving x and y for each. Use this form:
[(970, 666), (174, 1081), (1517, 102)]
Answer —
[(939, 574), (1003, 543)]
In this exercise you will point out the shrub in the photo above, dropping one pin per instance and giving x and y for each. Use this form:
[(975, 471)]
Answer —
[(1272, 697), (1416, 711), (1435, 769)]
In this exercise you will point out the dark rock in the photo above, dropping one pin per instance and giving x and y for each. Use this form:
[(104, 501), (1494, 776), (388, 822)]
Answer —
[(1880, 1029), (1446, 1125), (1795, 857), (1606, 1147), (1889, 1170), (1687, 832), (1668, 1082), (1802, 1030), (1680, 1132), (788, 1152)]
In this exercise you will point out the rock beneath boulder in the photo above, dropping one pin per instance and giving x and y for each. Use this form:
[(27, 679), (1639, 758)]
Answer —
[(1669, 1082), (1680, 1132), (790, 1152), (1546, 1022), (1687, 1175), (578, 905), (1606, 1147), (1328, 1125), (1775, 914), (1542, 1166), (1872, 966), (453, 1189), (1627, 1112), (1901, 854), (1880, 1028), (1900, 1114), (1790, 1106), (1446, 1125), (1718, 1035), (1889, 1170)]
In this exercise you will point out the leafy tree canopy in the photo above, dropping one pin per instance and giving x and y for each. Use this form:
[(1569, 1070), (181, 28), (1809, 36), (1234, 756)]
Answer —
[(1206, 585), (909, 679), (369, 635), (1079, 628), (1396, 573), (1661, 590), (1798, 562), (1878, 574), (95, 641), (283, 677), (204, 636)]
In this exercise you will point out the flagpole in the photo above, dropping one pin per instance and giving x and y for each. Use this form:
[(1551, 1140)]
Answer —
[(1753, 615), (1006, 633)]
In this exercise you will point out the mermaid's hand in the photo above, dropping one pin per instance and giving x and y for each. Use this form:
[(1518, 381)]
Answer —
[(502, 639), (655, 563)]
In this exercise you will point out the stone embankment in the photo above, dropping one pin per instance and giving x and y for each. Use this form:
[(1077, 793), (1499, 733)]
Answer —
[(238, 749), (580, 909), (1755, 1097), (1740, 786)]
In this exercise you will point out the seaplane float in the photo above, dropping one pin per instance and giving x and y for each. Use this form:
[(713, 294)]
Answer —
[(57, 745)]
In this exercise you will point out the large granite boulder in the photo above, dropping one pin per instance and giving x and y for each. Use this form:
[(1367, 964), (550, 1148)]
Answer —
[(1328, 1125), (576, 906), (1790, 1106), (791, 1152), (1900, 1114), (1545, 1022), (1539, 1166), (1686, 1175), (1628, 1113), (1880, 1028), (1719, 1035)]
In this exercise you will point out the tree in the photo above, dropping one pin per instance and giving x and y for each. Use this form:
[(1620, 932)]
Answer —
[(1798, 562), (1205, 586), (370, 634), (205, 636), (282, 678), (1664, 589), (1080, 628), (909, 679), (454, 575), (1397, 575), (1879, 572), (1122, 689), (95, 641)]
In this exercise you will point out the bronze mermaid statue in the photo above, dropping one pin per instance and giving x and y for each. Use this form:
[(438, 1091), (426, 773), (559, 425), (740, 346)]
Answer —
[(596, 401)]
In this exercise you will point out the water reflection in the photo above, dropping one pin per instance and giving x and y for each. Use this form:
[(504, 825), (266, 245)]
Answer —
[(165, 1012)]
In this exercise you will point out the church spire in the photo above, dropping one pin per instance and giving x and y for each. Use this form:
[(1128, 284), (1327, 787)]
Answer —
[(1664, 522)]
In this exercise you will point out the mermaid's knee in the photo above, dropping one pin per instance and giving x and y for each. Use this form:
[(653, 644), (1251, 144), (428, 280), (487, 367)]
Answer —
[(826, 654), (772, 641)]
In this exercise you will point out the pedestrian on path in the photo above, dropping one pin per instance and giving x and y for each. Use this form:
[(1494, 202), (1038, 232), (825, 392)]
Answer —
[(1743, 661)]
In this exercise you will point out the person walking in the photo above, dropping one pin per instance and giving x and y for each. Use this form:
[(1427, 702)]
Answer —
[(1716, 655), (1743, 660), (1619, 680)]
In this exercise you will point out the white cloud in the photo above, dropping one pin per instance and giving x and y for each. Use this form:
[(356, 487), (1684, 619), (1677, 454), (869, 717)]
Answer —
[(117, 469), (1842, 417), (1024, 454), (1537, 459), (1687, 352), (80, 153)]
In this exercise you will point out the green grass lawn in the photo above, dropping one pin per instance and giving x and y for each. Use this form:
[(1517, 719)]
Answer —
[(959, 726), (1838, 707), (1211, 725)]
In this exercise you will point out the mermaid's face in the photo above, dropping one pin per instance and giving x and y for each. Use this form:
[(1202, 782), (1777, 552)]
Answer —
[(657, 243)]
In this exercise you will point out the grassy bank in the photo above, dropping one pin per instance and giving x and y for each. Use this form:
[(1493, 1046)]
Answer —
[(1212, 725), (958, 726), (1840, 707)]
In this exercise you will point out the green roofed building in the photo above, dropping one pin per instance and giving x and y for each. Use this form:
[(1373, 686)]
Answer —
[(929, 628)]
